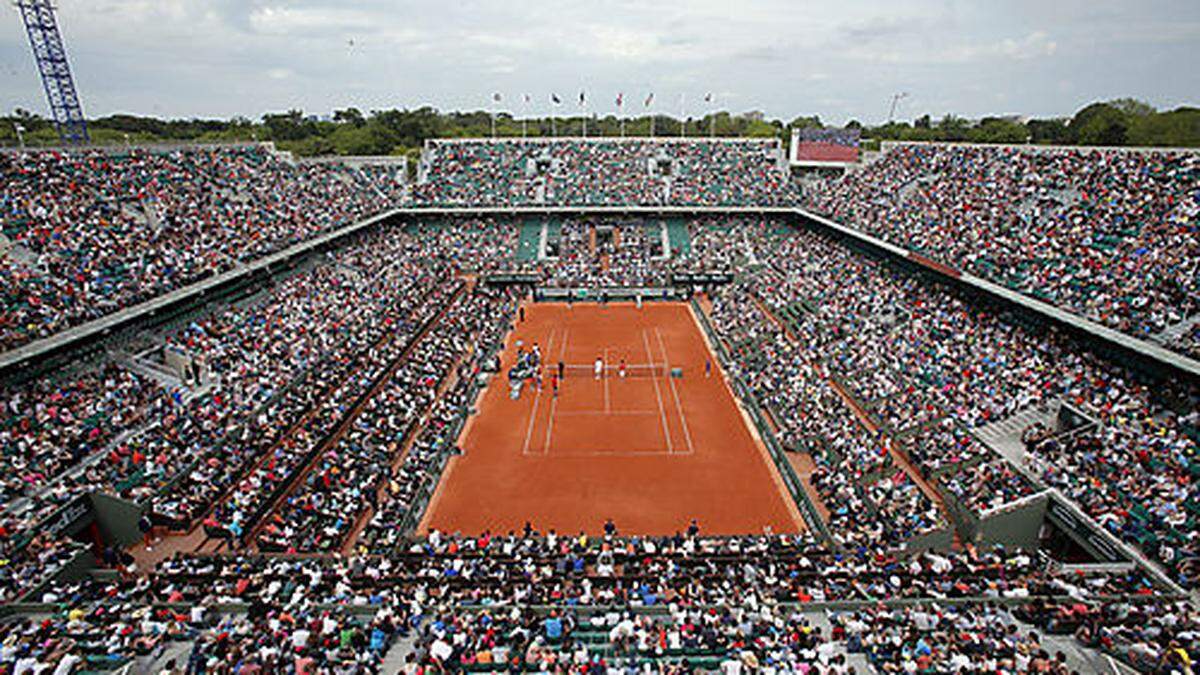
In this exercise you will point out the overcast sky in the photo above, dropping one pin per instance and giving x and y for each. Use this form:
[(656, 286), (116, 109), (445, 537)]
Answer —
[(841, 60)]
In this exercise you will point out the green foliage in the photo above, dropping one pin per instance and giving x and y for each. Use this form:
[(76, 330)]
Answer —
[(999, 130), (1179, 127), (350, 131), (1048, 132), (1099, 124)]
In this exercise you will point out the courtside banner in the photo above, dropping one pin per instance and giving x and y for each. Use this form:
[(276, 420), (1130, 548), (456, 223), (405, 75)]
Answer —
[(511, 279), (700, 278)]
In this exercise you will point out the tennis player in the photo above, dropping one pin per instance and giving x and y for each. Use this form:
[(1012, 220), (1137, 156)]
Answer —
[(599, 367)]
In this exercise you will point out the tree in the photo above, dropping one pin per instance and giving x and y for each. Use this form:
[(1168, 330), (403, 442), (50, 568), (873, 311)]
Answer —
[(1132, 107), (952, 128), (923, 122), (1099, 124), (1177, 128), (999, 130), (812, 121), (289, 126), (1048, 132), (352, 116)]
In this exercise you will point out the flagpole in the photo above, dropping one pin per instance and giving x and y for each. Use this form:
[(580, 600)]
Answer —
[(525, 117), (621, 116), (682, 117), (583, 107), (650, 102), (712, 118)]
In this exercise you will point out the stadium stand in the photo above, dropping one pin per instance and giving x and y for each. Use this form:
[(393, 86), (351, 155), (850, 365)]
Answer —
[(1108, 234), (96, 231), (603, 172), (288, 467)]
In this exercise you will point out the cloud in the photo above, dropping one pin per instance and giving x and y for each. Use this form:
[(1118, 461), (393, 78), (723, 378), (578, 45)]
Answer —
[(839, 60), (1037, 43)]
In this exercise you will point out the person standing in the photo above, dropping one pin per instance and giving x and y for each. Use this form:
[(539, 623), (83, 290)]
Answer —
[(599, 367), (146, 527)]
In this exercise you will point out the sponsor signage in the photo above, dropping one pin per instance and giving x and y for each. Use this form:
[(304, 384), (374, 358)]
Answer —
[(700, 278)]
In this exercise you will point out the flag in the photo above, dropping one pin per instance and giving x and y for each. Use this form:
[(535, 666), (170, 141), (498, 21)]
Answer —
[(708, 97), (582, 99), (496, 97), (555, 99), (620, 99), (527, 98), (649, 99)]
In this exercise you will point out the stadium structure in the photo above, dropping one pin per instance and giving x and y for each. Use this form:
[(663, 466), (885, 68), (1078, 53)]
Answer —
[(600, 405)]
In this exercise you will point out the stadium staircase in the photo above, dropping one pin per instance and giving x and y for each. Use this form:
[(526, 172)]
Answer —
[(1004, 436), (1175, 332)]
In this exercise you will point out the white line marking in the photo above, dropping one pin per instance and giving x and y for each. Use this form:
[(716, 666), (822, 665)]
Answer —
[(554, 402), (604, 376), (536, 398), (678, 406), (574, 413), (662, 413)]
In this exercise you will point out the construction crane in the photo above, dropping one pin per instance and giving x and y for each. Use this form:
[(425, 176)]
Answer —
[(51, 57)]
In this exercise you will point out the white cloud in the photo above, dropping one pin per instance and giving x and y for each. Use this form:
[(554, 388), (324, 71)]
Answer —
[(1037, 43), (839, 60)]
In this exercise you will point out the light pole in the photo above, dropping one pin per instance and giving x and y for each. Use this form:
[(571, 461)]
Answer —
[(895, 101)]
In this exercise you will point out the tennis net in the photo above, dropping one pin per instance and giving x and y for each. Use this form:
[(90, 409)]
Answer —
[(576, 370)]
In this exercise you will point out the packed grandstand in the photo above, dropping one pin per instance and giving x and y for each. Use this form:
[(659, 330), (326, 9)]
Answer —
[(253, 476)]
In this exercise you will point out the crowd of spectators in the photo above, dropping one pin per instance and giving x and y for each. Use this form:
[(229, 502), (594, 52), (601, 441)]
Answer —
[(469, 603), (981, 638), (879, 376), (352, 475), (1154, 637), (603, 172), (51, 424), (88, 233), (988, 486), (929, 355), (1109, 234), (277, 362)]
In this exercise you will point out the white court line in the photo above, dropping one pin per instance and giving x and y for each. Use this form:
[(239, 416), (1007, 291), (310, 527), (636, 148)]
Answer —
[(575, 413), (554, 402), (536, 398), (682, 417), (662, 413), (604, 376)]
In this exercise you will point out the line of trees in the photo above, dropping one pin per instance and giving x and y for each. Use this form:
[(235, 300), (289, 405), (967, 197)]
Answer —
[(1114, 123), (382, 132)]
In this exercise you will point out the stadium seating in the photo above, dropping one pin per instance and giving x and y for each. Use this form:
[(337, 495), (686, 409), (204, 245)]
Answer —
[(1108, 234), (97, 231), (603, 172), (333, 400)]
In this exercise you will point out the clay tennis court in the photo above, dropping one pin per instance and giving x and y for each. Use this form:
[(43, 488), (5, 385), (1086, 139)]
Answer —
[(648, 450)]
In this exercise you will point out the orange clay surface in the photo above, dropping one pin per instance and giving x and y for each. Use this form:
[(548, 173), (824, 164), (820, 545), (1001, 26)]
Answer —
[(649, 452)]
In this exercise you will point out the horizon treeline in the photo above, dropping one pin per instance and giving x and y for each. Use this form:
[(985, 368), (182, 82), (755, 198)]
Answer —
[(349, 131)]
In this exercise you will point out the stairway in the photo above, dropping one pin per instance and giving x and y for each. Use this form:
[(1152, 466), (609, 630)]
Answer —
[(1174, 332), (1004, 436)]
